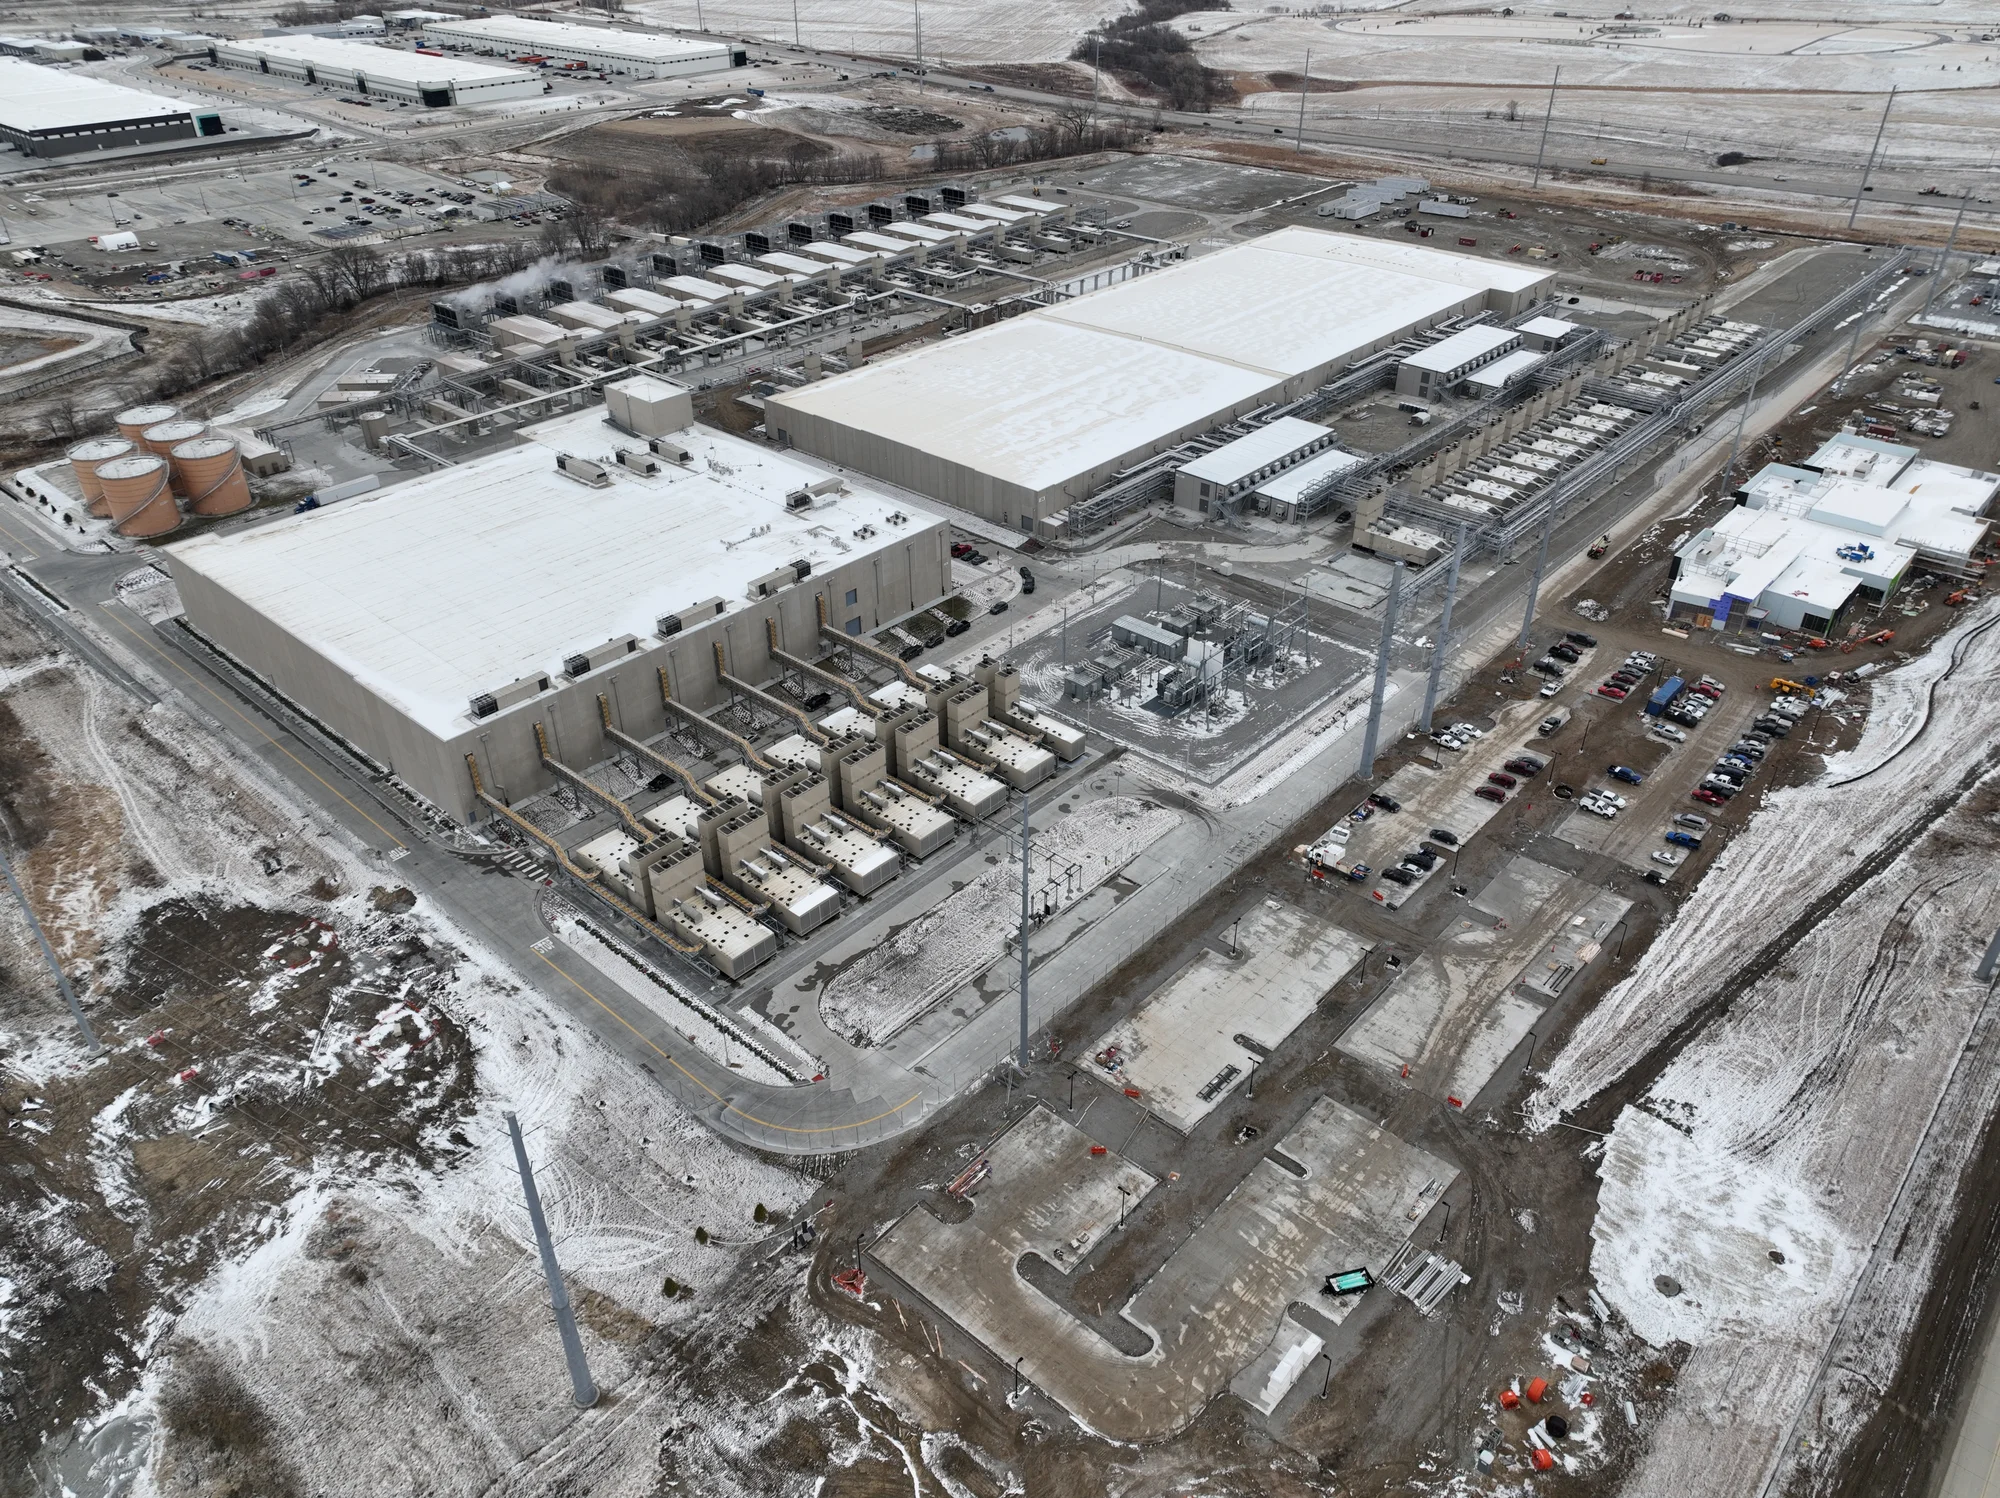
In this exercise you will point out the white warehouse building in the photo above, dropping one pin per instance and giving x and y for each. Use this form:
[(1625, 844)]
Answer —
[(1015, 421), (378, 72), (45, 112), (451, 614), (638, 54)]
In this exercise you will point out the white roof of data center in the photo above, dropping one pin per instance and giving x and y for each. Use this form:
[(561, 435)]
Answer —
[(461, 582), (1041, 398), (34, 97)]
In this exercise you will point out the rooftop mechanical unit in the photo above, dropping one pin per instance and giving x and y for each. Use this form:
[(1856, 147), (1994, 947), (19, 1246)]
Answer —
[(486, 704), (590, 660), (693, 614)]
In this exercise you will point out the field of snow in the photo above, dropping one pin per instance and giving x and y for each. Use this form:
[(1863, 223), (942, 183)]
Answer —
[(1777, 1196), (955, 31), (1800, 90), (967, 931)]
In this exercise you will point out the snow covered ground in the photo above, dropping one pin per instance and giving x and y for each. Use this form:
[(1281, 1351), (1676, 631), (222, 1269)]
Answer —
[(898, 979), (959, 31), (1798, 89), (1777, 1196), (336, 1310)]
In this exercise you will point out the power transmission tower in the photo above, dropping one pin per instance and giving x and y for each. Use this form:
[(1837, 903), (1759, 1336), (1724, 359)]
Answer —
[(581, 1385)]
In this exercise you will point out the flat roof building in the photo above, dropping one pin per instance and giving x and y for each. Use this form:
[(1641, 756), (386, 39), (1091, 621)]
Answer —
[(1440, 368), (384, 72), (1017, 420), (447, 615), (1806, 541), (47, 113), (1491, 379), (639, 54), (1210, 482)]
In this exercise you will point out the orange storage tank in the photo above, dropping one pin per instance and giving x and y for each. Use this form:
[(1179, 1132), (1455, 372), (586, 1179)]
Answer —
[(132, 422), (136, 491), (83, 461), (211, 473), (1537, 1387), (161, 441)]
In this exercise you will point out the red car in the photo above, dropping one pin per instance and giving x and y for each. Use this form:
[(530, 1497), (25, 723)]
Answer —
[(961, 548), (1711, 798), (1489, 793), (1616, 694), (1523, 766), (1705, 689), (1505, 782)]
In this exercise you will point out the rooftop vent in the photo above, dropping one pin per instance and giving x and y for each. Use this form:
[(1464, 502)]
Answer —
[(486, 704), (590, 660), (639, 462), (687, 618), (583, 470)]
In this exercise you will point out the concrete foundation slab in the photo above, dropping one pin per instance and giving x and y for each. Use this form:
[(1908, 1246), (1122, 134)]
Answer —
[(1179, 1048), (1215, 1304)]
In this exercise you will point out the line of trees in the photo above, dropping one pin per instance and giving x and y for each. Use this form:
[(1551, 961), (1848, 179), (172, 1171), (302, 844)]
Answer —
[(1144, 51)]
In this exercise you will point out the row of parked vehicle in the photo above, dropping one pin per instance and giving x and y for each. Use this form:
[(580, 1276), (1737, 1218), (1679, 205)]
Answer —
[(1414, 865), (1636, 668), (1565, 653), (1732, 772), (1691, 706)]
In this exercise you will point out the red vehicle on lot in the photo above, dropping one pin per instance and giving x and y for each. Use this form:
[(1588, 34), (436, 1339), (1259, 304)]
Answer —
[(1505, 782), (1616, 694), (1711, 798), (1523, 766), (1707, 689), (1489, 793)]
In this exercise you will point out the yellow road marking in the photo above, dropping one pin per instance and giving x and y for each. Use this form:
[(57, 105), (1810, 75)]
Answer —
[(150, 645), (731, 1107)]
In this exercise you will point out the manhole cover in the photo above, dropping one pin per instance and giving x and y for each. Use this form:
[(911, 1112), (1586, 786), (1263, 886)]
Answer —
[(1667, 1285)]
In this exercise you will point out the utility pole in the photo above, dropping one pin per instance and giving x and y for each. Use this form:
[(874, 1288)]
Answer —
[(1944, 260), (916, 12), (1535, 579), (49, 956), (1547, 118), (1743, 420), (1023, 1063), (1439, 649), (1096, 50), (1367, 771), (1305, 82), (581, 1385), (1888, 104), (795, 23)]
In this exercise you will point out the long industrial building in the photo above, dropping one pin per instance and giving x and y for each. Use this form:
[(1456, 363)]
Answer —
[(379, 72), (637, 54), (47, 113), (1017, 420), (452, 613)]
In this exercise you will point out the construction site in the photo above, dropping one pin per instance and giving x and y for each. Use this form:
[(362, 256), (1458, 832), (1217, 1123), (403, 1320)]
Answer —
[(970, 783)]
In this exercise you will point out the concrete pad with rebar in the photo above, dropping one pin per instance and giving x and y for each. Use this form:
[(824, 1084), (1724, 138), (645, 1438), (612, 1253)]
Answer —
[(1348, 1194)]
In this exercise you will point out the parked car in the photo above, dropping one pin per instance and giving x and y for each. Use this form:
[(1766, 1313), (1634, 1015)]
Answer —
[(961, 548), (1702, 793), (1399, 876), (1654, 876), (1668, 731), (1599, 806), (1578, 637), (1548, 666), (1777, 727), (1489, 793), (1567, 653), (999, 607), (1444, 835), (1423, 858), (1625, 773), (1384, 800), (1671, 860), (1520, 764), (1716, 785), (1684, 839), (1749, 748), (1707, 689), (1027, 581), (1692, 819), (1615, 693), (1502, 779), (1551, 689), (957, 627)]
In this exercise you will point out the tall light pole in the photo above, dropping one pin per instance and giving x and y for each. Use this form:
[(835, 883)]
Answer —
[(49, 956), (581, 1384), (1022, 1062), (1547, 118), (1368, 740), (1305, 82), (795, 23), (1944, 260), (1887, 105), (1535, 578), (1439, 649)]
